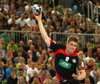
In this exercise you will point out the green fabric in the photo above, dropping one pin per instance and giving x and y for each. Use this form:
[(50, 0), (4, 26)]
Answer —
[(25, 73), (15, 47), (17, 66), (60, 9), (4, 82), (92, 45), (35, 1), (65, 64), (98, 66), (6, 38)]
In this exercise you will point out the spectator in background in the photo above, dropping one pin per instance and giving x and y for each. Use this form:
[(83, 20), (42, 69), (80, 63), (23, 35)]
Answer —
[(89, 31), (47, 15), (8, 71), (21, 43), (1, 23), (39, 52), (64, 26), (20, 11), (30, 42), (21, 80), (38, 44), (98, 76), (60, 8), (96, 47), (8, 61), (9, 56), (55, 10), (12, 79), (55, 80), (21, 21), (88, 76), (21, 62), (52, 70), (47, 81), (19, 70), (30, 21), (34, 57), (2, 51), (1, 72), (43, 66), (87, 81), (54, 21), (31, 70), (12, 43), (35, 74), (2, 59), (6, 5), (28, 6), (48, 26), (28, 65), (90, 50), (13, 10), (3, 43), (3, 8), (88, 44), (77, 6), (97, 55), (83, 27), (36, 81), (24, 54), (12, 53), (5, 36), (30, 56), (38, 65), (12, 18), (21, 73), (93, 72), (16, 59), (43, 75)]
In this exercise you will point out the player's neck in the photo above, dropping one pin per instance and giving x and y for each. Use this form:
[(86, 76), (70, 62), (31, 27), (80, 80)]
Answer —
[(67, 52)]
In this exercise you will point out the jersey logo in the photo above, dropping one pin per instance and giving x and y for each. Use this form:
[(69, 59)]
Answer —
[(74, 60), (67, 59), (64, 64)]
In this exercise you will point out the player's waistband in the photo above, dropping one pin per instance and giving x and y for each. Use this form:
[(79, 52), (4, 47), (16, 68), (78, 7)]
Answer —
[(66, 81)]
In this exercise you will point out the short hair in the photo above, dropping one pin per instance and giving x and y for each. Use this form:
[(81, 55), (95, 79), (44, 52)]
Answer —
[(72, 38), (21, 70), (10, 63), (43, 70), (12, 40), (12, 70)]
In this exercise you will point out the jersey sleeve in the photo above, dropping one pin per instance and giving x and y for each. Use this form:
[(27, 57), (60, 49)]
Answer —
[(54, 46), (80, 64)]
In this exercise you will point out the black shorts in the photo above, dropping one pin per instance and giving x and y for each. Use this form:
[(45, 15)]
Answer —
[(70, 82)]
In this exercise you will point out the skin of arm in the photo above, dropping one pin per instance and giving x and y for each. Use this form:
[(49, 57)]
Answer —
[(42, 29), (81, 76)]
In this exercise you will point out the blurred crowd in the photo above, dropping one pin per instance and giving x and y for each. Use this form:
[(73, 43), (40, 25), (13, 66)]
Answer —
[(29, 62)]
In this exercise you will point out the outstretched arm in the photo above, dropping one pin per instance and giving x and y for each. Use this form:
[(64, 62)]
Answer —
[(81, 76), (42, 29)]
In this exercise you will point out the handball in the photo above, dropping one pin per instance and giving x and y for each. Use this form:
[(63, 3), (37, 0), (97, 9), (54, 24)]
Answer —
[(37, 9)]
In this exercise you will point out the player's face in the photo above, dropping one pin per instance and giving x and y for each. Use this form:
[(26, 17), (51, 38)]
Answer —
[(71, 46)]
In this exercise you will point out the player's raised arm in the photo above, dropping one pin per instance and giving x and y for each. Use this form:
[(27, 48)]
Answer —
[(42, 29)]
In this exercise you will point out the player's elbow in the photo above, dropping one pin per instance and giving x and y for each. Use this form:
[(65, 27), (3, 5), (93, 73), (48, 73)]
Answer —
[(84, 75)]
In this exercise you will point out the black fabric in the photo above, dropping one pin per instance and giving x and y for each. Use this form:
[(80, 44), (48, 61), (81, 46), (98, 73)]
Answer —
[(71, 82), (65, 73), (10, 80)]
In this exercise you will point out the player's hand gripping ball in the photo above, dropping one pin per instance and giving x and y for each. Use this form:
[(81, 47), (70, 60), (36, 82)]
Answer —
[(37, 9)]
